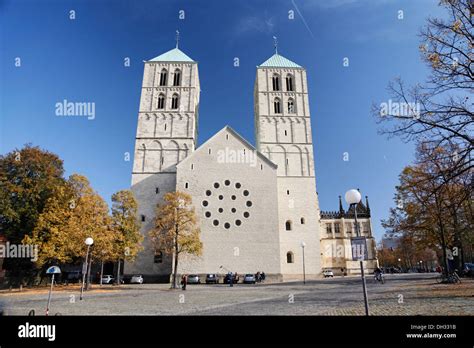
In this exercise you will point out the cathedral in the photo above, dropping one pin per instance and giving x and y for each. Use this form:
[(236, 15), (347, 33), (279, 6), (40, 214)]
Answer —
[(257, 207)]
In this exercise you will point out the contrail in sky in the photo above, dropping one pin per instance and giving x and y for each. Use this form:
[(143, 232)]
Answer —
[(302, 18)]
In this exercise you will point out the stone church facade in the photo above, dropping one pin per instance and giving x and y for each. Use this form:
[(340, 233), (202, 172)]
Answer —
[(257, 207)]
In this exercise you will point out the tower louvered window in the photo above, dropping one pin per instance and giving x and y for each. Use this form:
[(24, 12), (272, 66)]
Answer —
[(161, 101), (177, 78), (163, 77), (289, 83), (277, 106), (276, 82), (175, 101)]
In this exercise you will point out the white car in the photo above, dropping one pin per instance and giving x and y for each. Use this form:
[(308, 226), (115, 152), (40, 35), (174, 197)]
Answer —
[(107, 279), (136, 279), (328, 273)]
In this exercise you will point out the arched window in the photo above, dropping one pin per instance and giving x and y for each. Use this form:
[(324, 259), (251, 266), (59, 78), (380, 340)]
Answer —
[(276, 82), (175, 101), (289, 83), (177, 78), (302, 221), (277, 106), (161, 101), (288, 225), (291, 106), (290, 257), (163, 77)]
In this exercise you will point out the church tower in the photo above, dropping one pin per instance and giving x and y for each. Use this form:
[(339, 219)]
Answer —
[(283, 134), (166, 134)]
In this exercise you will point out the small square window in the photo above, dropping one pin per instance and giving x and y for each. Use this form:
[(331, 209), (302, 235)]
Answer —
[(143, 218), (158, 257)]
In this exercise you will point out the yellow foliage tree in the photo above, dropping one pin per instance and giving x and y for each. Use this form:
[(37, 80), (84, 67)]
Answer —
[(73, 214), (126, 227), (176, 231)]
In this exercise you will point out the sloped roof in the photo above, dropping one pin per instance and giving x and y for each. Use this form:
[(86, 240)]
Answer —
[(277, 61), (240, 138), (174, 55)]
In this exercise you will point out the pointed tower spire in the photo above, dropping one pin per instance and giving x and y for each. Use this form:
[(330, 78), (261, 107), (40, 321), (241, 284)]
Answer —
[(341, 209), (367, 203), (177, 38), (275, 44)]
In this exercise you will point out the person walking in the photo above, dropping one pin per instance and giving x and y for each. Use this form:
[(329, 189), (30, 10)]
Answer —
[(184, 281)]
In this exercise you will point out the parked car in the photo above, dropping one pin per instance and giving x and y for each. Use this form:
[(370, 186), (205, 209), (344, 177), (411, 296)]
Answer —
[(72, 277), (328, 273), (136, 279), (194, 279), (227, 279), (468, 270), (249, 279), (212, 278), (107, 279), (126, 279)]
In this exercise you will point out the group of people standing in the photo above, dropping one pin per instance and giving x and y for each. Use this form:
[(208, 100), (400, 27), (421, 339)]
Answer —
[(260, 277)]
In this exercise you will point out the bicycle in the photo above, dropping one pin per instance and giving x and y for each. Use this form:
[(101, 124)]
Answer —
[(451, 278), (379, 278)]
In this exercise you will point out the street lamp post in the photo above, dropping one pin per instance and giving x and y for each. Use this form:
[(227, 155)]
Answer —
[(89, 241), (303, 244), (353, 198)]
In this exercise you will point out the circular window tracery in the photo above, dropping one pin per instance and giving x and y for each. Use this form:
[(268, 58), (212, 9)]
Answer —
[(227, 191)]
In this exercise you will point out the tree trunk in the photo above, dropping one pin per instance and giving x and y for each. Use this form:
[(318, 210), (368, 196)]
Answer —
[(175, 271), (443, 246)]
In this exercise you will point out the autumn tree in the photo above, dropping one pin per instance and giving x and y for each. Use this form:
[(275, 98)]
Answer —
[(73, 214), (125, 227), (432, 209), (176, 231), (441, 108), (29, 177)]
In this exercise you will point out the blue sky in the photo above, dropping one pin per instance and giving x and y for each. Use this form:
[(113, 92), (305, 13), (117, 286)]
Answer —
[(83, 60)]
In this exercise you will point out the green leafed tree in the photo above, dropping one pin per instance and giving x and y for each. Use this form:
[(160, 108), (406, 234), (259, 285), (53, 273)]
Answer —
[(29, 177)]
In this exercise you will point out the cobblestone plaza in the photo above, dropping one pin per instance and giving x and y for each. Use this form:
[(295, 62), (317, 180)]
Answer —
[(412, 294)]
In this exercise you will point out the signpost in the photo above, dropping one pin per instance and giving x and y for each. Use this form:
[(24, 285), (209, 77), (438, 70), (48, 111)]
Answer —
[(53, 270), (359, 249)]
